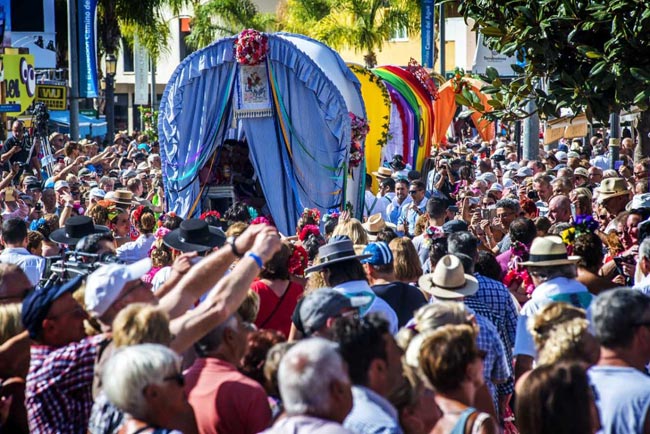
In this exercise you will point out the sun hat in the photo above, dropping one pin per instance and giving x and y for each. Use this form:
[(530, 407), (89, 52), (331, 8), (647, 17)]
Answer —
[(581, 171), (448, 280), (612, 187), (60, 184), (374, 225), (318, 306), (195, 235), (383, 172), (122, 197), (75, 229), (37, 304), (380, 254), (104, 285), (549, 251), (639, 201), (338, 249)]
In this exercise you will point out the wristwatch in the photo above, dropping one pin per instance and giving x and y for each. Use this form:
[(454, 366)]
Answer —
[(231, 240)]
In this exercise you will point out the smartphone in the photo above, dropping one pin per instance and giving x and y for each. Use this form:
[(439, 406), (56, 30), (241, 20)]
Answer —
[(488, 213), (38, 206), (532, 194)]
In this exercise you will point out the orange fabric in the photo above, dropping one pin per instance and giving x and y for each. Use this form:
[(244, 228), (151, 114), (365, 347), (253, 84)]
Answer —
[(445, 107)]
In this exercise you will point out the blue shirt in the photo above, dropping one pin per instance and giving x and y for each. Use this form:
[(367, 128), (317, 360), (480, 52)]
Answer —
[(409, 215), (371, 414), (622, 397)]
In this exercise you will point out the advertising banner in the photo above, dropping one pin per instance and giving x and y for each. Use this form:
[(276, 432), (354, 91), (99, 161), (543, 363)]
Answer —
[(141, 69), (86, 23), (428, 43), (54, 97), (20, 80)]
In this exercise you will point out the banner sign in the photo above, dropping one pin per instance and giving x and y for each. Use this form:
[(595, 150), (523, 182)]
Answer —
[(141, 70), (485, 57), (54, 97), (428, 42), (20, 80), (86, 21), (5, 23)]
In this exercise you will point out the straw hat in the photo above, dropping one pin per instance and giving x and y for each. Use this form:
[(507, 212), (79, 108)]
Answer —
[(383, 173), (122, 197), (449, 280), (373, 225), (612, 187), (549, 251)]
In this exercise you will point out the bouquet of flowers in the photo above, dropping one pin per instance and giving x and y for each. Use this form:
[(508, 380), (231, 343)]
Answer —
[(251, 47), (423, 77), (582, 224)]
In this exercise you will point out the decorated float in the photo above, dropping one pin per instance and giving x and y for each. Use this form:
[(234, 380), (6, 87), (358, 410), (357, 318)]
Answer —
[(275, 119)]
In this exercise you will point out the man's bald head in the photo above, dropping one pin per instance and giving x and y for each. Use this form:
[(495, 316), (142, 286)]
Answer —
[(559, 209)]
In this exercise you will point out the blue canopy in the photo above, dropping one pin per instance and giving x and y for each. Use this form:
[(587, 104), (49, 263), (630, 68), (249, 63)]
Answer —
[(87, 126), (299, 143)]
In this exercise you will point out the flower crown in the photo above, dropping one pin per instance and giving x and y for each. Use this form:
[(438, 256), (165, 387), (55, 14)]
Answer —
[(212, 213), (161, 232), (333, 213), (307, 230), (298, 261), (163, 217), (261, 220), (311, 213)]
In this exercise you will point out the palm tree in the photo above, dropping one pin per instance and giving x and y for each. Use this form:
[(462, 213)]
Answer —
[(363, 25), (218, 18)]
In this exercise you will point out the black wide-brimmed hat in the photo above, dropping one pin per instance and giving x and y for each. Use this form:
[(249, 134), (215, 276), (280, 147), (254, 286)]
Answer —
[(195, 235), (75, 229), (337, 250)]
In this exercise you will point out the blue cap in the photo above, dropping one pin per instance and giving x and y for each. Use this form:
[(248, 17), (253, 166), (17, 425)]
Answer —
[(562, 147), (38, 302), (380, 254), (144, 146)]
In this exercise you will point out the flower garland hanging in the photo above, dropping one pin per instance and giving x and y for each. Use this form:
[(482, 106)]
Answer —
[(359, 131), (211, 213), (251, 47), (423, 77)]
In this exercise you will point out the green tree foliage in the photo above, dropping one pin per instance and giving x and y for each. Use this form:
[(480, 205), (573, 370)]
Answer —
[(591, 55), (219, 18), (363, 25)]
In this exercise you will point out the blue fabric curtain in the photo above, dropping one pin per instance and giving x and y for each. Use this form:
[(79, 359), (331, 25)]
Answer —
[(194, 114)]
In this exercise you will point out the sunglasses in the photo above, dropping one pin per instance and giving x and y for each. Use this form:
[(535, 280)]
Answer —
[(413, 191), (179, 378)]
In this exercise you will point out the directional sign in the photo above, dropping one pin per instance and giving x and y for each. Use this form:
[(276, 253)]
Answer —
[(9, 108)]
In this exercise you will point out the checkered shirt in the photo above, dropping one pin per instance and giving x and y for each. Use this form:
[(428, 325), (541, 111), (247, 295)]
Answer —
[(58, 393)]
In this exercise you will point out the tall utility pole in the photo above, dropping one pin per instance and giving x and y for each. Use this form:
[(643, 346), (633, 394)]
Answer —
[(73, 65), (441, 31), (530, 148), (154, 95), (614, 139)]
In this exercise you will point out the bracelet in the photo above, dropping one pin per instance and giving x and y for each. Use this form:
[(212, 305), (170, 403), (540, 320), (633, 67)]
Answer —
[(255, 258)]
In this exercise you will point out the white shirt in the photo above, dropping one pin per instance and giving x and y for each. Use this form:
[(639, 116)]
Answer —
[(135, 250), (32, 265), (374, 205), (378, 305), (543, 295), (643, 285)]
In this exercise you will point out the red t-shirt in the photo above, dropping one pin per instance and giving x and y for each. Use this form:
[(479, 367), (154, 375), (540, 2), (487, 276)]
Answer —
[(279, 320)]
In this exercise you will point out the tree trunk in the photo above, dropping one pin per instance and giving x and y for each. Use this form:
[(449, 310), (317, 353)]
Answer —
[(642, 149), (370, 59)]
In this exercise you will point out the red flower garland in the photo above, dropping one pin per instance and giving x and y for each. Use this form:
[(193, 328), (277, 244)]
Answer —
[(251, 47), (212, 213), (309, 229), (298, 261)]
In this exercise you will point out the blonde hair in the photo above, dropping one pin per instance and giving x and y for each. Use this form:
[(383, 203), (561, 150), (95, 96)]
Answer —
[(250, 307), (236, 229), (353, 229), (141, 323), (406, 261), (315, 279), (10, 322), (421, 224)]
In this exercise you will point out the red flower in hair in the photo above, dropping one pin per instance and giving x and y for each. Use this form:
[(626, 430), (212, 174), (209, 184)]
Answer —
[(261, 220), (213, 213), (312, 213), (138, 213), (298, 261), (309, 229)]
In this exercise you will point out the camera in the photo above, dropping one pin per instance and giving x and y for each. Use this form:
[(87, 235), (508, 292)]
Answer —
[(532, 194), (73, 264)]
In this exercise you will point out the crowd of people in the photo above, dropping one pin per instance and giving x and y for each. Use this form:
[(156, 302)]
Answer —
[(485, 294)]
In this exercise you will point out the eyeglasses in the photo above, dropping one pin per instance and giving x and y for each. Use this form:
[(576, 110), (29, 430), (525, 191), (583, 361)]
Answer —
[(179, 378), (414, 191)]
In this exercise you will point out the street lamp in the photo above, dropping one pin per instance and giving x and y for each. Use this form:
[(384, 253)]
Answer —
[(111, 67)]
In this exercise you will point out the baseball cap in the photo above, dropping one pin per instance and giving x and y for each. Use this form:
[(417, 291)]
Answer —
[(97, 192), (129, 174), (496, 187), (60, 184), (318, 306), (104, 286), (453, 226), (84, 172), (30, 180), (381, 254), (581, 171), (561, 156), (562, 147), (488, 177), (38, 302), (524, 172)]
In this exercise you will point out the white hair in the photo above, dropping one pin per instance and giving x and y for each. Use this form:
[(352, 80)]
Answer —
[(306, 373), (644, 248), (131, 369)]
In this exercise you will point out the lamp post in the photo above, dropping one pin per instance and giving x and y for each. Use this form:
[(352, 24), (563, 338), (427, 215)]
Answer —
[(109, 110)]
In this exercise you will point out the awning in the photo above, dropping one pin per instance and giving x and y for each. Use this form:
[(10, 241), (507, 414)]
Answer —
[(87, 126)]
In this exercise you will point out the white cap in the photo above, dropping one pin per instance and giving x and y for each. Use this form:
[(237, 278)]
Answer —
[(572, 154), (561, 156), (97, 192), (513, 165), (496, 187), (105, 285), (110, 195), (143, 166), (60, 184), (488, 177)]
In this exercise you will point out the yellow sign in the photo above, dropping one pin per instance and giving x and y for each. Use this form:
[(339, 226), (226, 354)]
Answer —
[(54, 97), (20, 80)]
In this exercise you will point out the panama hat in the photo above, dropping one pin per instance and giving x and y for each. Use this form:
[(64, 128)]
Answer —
[(122, 197), (374, 225), (612, 187), (449, 280), (549, 251), (194, 235), (339, 249), (383, 172), (75, 229)]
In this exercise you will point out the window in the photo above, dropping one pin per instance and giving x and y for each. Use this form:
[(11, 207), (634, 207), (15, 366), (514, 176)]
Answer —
[(127, 56), (400, 35)]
